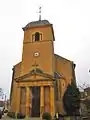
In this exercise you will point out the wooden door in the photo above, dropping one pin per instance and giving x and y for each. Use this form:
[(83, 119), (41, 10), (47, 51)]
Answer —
[(35, 112)]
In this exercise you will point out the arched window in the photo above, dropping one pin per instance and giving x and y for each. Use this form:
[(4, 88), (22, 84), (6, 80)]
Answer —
[(37, 36)]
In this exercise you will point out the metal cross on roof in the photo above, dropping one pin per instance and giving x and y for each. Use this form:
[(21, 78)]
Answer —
[(35, 64), (40, 13)]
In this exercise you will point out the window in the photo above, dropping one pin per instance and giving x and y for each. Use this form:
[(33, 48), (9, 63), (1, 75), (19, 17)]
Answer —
[(37, 36)]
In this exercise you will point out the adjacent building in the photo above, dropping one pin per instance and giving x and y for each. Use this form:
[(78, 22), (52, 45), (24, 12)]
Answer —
[(85, 103)]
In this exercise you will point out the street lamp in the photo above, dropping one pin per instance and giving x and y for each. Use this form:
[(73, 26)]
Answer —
[(4, 100)]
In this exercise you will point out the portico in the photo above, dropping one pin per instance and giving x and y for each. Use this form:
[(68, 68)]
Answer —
[(36, 105)]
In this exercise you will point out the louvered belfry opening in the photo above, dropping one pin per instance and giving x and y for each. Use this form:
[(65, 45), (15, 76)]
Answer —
[(37, 36)]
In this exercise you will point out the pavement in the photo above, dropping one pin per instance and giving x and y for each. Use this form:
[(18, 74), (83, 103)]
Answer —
[(5, 117), (8, 118)]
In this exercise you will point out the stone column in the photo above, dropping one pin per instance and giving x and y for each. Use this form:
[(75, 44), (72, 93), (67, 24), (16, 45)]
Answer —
[(18, 100), (52, 101), (41, 100), (30, 102), (27, 101), (58, 85)]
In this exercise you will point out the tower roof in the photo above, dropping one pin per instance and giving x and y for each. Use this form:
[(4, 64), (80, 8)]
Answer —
[(36, 23)]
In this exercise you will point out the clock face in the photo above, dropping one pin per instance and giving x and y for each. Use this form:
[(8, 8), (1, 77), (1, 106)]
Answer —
[(36, 54)]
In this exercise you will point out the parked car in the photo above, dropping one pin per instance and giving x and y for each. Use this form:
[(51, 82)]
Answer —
[(2, 110), (0, 114), (5, 110)]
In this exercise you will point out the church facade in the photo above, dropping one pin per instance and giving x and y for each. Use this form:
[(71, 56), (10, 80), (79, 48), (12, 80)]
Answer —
[(41, 78)]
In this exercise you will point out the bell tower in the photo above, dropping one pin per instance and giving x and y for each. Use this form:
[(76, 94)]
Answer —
[(38, 48)]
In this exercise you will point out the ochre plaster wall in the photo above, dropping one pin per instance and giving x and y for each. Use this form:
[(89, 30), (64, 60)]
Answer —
[(64, 67), (17, 70), (13, 101)]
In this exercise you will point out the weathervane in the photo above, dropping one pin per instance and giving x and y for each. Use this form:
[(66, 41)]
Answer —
[(40, 13)]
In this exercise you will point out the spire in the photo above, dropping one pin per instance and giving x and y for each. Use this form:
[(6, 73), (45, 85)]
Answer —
[(39, 13)]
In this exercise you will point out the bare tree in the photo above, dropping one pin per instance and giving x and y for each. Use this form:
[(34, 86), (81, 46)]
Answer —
[(83, 86), (1, 92)]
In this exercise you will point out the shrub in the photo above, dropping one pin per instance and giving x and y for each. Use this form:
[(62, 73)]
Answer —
[(71, 100), (46, 116), (14, 115), (11, 114), (20, 116)]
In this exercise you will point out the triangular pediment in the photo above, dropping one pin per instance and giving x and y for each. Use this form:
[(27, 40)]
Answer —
[(35, 74)]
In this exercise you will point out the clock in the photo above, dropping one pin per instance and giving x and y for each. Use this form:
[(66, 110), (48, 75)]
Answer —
[(36, 54)]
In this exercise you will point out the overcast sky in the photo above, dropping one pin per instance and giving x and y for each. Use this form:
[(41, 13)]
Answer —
[(71, 23)]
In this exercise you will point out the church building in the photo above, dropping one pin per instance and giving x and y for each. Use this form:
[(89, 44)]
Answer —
[(41, 78)]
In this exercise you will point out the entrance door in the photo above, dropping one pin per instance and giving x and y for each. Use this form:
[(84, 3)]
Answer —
[(35, 112)]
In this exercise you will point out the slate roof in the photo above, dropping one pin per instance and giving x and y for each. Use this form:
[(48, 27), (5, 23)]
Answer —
[(36, 23)]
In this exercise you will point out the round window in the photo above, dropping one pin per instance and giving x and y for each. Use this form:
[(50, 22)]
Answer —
[(36, 54)]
